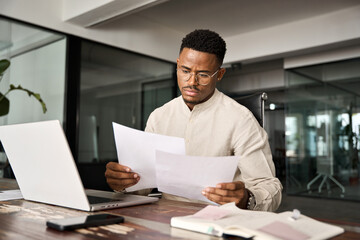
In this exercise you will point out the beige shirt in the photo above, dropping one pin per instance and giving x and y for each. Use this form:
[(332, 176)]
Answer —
[(222, 127)]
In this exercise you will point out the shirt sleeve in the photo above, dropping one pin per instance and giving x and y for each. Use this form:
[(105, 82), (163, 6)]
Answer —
[(256, 167), (150, 123)]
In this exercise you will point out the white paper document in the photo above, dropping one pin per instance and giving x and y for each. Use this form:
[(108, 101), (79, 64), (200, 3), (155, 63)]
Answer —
[(6, 195), (187, 176), (136, 149)]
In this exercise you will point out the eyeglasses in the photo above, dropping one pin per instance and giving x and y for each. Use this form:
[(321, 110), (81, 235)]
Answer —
[(200, 77)]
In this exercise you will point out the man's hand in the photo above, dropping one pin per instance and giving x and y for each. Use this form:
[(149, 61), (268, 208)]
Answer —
[(120, 177), (228, 192)]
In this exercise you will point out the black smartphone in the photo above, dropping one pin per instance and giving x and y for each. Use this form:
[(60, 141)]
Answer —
[(84, 221)]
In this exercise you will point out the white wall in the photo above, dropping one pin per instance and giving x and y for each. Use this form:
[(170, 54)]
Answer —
[(335, 27), (155, 39), (323, 57)]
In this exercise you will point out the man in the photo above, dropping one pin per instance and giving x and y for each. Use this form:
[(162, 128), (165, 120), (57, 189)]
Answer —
[(212, 124)]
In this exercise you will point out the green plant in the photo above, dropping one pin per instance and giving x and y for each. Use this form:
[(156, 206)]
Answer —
[(4, 101)]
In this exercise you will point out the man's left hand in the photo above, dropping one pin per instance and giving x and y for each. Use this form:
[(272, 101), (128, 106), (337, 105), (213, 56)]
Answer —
[(228, 192)]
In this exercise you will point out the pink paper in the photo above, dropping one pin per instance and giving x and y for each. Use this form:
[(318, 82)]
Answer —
[(283, 231), (212, 213)]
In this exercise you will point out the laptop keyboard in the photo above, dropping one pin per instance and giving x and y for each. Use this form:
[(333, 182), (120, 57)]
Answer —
[(95, 200)]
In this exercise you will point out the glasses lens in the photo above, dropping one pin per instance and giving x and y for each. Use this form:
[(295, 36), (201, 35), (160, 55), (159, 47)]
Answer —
[(183, 74), (203, 78)]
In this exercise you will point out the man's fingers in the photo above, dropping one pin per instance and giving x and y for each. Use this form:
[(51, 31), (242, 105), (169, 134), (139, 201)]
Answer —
[(231, 186), (115, 170), (226, 192), (117, 167), (221, 192), (222, 199), (120, 175), (119, 185), (217, 193), (123, 183)]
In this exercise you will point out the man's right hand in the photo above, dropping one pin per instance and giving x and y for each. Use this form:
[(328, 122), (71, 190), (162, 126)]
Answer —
[(120, 177)]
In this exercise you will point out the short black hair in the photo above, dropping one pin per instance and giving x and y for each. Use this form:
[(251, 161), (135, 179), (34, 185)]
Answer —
[(204, 40)]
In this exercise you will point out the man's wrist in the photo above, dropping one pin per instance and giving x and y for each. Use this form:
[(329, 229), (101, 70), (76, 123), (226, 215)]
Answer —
[(251, 200)]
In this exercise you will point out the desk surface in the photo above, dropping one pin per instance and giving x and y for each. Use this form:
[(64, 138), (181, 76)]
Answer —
[(22, 219)]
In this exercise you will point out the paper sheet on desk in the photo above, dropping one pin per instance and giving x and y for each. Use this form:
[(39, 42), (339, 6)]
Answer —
[(6, 195), (187, 176), (136, 149)]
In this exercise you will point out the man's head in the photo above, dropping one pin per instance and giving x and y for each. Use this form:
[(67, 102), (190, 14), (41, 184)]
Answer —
[(205, 41), (199, 65)]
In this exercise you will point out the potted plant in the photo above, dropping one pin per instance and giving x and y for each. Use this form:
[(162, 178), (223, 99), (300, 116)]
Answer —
[(4, 101), (5, 105)]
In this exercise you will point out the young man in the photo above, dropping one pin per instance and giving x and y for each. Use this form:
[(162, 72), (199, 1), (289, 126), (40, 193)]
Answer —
[(212, 124)]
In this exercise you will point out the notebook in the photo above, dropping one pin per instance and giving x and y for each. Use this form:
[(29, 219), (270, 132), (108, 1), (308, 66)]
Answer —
[(45, 170), (228, 220)]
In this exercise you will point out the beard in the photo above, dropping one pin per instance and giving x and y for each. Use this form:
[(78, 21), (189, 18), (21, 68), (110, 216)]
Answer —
[(189, 99)]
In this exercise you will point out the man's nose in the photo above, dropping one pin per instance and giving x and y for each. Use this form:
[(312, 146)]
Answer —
[(192, 80)]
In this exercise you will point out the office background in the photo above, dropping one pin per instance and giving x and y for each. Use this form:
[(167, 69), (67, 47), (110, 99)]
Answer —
[(95, 62)]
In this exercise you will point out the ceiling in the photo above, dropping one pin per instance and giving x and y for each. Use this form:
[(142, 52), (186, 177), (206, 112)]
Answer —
[(155, 27), (228, 17), (233, 17)]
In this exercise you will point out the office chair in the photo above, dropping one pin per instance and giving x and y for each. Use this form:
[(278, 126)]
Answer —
[(256, 104)]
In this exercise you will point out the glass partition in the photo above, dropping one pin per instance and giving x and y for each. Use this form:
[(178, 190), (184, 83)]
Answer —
[(38, 64), (322, 130), (117, 86)]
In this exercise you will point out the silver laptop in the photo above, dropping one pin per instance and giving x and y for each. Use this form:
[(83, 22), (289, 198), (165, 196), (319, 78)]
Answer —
[(45, 170)]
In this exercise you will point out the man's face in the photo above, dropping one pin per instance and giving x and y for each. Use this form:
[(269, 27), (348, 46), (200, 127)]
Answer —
[(197, 62)]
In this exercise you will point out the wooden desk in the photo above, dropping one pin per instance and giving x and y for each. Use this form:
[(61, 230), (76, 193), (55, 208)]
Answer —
[(22, 219)]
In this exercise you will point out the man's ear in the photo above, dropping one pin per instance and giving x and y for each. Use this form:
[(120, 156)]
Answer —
[(221, 74)]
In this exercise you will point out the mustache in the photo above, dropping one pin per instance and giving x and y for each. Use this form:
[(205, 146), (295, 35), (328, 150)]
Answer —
[(191, 87)]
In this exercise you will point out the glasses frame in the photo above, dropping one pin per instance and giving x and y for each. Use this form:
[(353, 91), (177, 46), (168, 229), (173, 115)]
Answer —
[(196, 76)]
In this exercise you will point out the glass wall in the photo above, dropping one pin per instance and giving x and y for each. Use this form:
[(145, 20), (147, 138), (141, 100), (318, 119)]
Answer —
[(38, 64), (117, 86), (322, 130)]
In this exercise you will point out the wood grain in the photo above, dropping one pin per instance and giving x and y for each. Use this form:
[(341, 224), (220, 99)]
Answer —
[(22, 219)]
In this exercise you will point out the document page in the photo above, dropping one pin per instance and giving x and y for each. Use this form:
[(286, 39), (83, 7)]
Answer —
[(136, 149), (187, 176), (232, 222), (7, 195)]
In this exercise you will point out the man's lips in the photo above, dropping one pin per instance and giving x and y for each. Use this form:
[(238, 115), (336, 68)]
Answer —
[(190, 92)]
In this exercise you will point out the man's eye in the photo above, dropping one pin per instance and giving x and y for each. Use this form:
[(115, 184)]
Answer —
[(185, 71), (202, 75)]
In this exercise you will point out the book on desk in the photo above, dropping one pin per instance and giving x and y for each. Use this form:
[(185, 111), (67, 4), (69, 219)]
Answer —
[(228, 220)]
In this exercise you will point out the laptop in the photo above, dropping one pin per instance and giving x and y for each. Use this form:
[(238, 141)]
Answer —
[(45, 170)]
